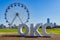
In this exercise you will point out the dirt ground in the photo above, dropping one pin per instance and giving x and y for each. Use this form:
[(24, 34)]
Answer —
[(17, 37)]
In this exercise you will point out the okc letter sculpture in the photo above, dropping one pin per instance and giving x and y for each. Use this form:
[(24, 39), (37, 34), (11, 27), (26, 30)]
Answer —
[(10, 17)]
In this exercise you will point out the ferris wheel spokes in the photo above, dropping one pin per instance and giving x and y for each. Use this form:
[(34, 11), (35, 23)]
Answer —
[(20, 19), (12, 21), (17, 15)]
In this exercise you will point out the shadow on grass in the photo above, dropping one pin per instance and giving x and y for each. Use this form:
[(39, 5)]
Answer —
[(26, 36)]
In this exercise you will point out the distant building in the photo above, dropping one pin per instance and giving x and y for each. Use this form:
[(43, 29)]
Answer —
[(48, 20), (54, 24), (49, 25)]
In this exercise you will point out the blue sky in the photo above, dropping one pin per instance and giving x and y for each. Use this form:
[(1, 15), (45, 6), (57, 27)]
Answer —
[(39, 10)]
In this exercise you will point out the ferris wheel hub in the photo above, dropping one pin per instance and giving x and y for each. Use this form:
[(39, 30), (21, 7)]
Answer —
[(17, 14)]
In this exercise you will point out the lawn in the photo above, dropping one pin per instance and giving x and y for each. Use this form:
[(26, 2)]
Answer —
[(53, 30), (8, 30)]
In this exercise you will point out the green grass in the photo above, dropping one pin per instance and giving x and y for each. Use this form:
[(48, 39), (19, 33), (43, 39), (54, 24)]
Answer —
[(8, 30), (53, 30)]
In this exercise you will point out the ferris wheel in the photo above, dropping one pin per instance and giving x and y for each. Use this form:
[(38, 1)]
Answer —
[(16, 10)]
